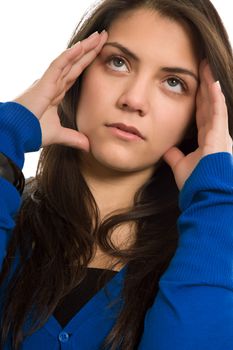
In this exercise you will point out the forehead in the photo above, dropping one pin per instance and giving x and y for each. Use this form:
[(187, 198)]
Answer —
[(151, 35)]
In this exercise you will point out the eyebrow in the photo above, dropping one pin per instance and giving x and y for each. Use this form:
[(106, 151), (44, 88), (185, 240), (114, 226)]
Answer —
[(181, 71), (129, 53)]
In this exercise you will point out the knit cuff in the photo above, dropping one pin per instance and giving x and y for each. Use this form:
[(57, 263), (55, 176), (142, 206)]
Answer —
[(213, 172), (20, 132)]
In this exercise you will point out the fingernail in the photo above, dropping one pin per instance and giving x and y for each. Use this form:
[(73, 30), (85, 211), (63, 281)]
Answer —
[(76, 44), (218, 85), (103, 31), (94, 34)]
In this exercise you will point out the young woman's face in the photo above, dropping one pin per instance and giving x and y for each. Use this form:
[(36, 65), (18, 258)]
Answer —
[(145, 77)]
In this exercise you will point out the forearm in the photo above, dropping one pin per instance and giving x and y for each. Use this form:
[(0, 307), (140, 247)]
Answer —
[(9, 205), (193, 308), (19, 133), (205, 226)]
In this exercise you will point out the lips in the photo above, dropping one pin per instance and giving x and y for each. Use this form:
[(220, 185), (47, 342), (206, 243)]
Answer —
[(127, 128)]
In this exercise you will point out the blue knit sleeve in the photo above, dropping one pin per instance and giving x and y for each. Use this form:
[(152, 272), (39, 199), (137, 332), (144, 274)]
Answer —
[(20, 132), (193, 309)]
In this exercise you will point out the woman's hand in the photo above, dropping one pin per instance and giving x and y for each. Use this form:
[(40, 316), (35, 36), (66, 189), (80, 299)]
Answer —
[(212, 124), (43, 97)]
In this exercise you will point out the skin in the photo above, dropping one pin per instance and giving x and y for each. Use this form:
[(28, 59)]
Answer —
[(138, 94)]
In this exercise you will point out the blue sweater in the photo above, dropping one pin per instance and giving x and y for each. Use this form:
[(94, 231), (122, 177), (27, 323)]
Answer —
[(193, 309)]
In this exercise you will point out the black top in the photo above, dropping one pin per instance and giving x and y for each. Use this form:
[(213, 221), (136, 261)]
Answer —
[(73, 302)]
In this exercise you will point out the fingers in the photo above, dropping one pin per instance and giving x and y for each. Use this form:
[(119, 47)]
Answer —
[(206, 96), (74, 69), (54, 133), (211, 114), (216, 98), (220, 113), (85, 60), (64, 62), (205, 70), (66, 68), (61, 74), (73, 138), (206, 79)]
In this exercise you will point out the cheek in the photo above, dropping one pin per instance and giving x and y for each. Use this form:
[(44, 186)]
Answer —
[(174, 119), (85, 105), (93, 101)]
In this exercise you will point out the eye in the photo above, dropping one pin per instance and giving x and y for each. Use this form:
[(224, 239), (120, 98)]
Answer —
[(116, 63), (176, 85)]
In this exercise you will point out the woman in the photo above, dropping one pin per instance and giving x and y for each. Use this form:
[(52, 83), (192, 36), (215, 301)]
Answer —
[(133, 184)]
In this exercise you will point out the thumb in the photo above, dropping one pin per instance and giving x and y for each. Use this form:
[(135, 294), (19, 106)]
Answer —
[(73, 138), (173, 156)]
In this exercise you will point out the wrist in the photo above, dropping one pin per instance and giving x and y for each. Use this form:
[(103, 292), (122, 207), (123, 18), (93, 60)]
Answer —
[(33, 103)]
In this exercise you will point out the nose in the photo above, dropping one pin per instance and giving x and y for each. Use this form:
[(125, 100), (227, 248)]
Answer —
[(135, 96)]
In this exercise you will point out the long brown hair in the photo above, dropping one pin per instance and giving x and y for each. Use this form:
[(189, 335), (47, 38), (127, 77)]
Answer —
[(60, 214)]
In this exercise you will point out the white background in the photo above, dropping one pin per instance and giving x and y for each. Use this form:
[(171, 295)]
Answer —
[(33, 33)]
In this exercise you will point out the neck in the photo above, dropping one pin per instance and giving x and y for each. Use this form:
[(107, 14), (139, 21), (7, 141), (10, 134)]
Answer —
[(113, 190)]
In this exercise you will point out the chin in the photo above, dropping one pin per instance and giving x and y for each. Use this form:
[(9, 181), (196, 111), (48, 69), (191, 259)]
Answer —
[(119, 161)]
